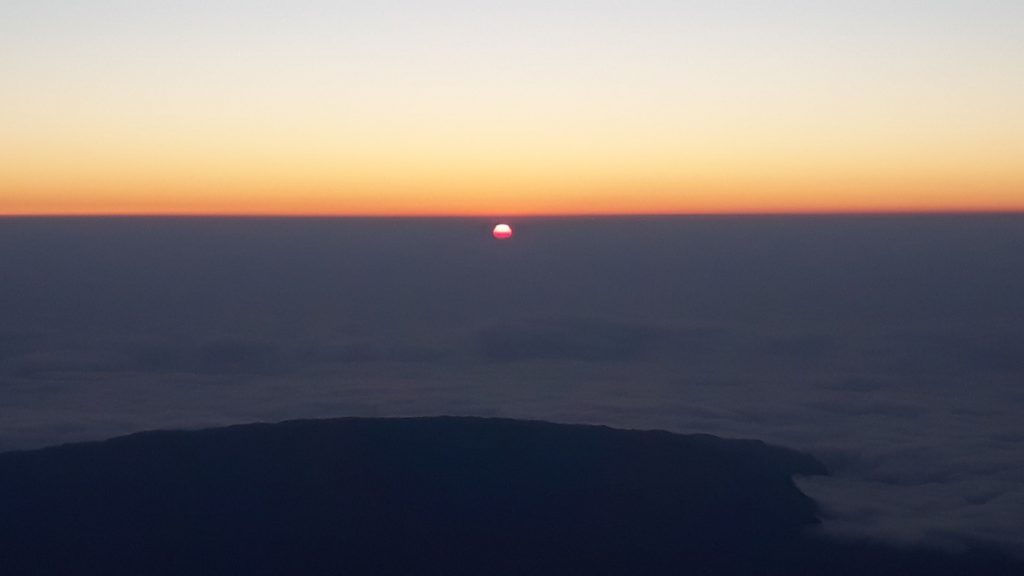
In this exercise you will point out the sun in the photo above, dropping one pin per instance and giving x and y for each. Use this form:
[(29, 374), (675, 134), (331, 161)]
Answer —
[(502, 232)]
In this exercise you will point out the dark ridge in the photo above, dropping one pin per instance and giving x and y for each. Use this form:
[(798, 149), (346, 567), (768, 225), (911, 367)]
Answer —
[(427, 496)]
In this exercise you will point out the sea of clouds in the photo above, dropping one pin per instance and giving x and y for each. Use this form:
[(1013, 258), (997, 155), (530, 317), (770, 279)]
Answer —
[(892, 348)]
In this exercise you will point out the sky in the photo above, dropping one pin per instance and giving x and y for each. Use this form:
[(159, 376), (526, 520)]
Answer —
[(501, 108)]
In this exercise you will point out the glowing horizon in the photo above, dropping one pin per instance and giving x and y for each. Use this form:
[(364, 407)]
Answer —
[(445, 107)]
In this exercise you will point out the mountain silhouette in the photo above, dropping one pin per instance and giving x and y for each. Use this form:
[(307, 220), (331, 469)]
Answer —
[(428, 496)]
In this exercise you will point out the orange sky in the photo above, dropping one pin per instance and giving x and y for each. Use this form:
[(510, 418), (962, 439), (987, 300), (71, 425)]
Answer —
[(540, 108)]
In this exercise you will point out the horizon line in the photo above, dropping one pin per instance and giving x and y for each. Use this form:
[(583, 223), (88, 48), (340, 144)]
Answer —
[(511, 215)]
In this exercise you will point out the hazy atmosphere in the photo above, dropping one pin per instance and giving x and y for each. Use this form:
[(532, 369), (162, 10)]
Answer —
[(889, 347), (723, 287)]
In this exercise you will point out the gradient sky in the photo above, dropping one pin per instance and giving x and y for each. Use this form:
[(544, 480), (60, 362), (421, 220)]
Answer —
[(488, 108)]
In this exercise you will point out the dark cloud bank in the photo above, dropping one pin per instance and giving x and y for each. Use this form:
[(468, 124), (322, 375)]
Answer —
[(889, 347)]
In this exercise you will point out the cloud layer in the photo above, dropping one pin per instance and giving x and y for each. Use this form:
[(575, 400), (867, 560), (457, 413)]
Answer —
[(889, 347)]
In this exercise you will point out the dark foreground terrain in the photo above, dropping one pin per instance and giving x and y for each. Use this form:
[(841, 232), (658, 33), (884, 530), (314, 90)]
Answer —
[(428, 496)]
